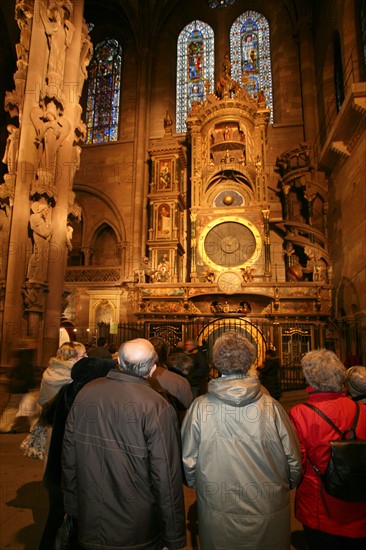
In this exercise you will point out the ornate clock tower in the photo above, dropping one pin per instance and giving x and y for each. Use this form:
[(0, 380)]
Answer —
[(229, 204), (221, 254)]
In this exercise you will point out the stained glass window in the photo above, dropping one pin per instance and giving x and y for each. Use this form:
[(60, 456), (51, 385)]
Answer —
[(104, 88), (195, 65), (250, 53)]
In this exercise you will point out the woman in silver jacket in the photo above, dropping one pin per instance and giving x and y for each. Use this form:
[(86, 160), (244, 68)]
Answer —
[(241, 454)]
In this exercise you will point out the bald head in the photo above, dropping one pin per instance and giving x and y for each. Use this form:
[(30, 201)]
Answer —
[(137, 356)]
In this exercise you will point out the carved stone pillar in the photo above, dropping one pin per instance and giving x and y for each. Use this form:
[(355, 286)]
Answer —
[(65, 171), (285, 188), (20, 102), (49, 115)]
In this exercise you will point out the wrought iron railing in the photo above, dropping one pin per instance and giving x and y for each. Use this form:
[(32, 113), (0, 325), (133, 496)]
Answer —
[(291, 340)]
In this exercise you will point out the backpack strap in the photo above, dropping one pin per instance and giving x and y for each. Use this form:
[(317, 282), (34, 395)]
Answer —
[(359, 397), (351, 430), (320, 413)]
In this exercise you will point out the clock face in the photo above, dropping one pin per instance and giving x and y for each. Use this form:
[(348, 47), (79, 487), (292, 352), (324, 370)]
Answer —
[(229, 282), (230, 244)]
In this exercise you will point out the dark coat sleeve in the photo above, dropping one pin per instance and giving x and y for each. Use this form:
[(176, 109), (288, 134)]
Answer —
[(166, 477)]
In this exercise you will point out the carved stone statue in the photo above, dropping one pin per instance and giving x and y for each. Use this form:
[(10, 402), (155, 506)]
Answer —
[(247, 274), (59, 30), (69, 232), (85, 56), (41, 226), (294, 270), (51, 129), (11, 151), (209, 275), (145, 271), (316, 268), (168, 120)]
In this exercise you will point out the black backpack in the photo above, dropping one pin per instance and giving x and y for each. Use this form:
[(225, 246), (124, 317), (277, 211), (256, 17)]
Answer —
[(345, 476)]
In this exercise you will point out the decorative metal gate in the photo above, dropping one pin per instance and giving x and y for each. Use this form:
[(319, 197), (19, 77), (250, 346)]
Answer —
[(290, 340)]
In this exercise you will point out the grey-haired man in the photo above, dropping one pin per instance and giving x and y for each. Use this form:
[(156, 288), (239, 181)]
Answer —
[(121, 460)]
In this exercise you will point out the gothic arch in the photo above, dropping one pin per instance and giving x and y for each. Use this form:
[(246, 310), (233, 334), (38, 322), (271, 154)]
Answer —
[(114, 217), (104, 246), (229, 182), (347, 300)]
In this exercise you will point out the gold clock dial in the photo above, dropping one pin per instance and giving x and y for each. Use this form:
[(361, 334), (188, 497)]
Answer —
[(229, 282), (230, 244)]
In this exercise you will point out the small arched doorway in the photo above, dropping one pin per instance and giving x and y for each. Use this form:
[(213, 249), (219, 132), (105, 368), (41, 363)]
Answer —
[(214, 329)]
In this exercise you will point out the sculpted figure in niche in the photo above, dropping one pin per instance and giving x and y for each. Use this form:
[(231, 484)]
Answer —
[(59, 30), (22, 48), (145, 271), (294, 270), (12, 146), (41, 226), (69, 232), (85, 56), (244, 308), (51, 130), (316, 269), (247, 274), (227, 133), (5, 212), (209, 275), (226, 67), (104, 312)]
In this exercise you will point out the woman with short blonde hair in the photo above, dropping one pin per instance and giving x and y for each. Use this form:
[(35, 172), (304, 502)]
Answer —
[(58, 372)]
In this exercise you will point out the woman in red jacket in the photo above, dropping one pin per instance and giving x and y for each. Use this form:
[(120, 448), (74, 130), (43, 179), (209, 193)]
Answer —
[(329, 522)]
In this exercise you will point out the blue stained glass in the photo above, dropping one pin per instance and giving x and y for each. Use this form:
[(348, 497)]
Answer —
[(250, 54), (195, 65), (104, 88)]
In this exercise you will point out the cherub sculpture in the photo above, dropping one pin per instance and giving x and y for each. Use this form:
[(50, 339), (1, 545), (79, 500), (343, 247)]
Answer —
[(247, 274)]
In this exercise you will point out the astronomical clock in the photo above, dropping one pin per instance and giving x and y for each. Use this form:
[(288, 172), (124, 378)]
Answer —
[(209, 256), (229, 227)]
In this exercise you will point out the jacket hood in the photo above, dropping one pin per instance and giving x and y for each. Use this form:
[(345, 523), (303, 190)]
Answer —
[(57, 371), (89, 368), (236, 389)]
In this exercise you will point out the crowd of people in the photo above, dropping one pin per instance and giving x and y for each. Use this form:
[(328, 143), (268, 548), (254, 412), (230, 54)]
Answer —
[(128, 428)]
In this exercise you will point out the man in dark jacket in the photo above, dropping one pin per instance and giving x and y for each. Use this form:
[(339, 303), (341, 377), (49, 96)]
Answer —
[(269, 374), (198, 374), (101, 349), (121, 460)]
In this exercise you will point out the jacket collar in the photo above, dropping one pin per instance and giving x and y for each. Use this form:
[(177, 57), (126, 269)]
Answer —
[(116, 374), (316, 395)]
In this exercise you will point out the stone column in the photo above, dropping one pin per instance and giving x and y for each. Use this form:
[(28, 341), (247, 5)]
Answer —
[(140, 183), (67, 163), (21, 101)]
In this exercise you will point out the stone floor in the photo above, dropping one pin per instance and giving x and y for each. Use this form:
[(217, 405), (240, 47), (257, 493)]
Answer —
[(23, 505)]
